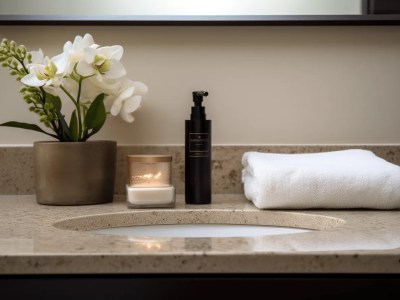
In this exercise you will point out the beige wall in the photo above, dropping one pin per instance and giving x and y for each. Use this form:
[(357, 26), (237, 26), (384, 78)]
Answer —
[(268, 85)]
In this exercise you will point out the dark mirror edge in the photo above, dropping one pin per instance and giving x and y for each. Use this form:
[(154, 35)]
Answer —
[(105, 20)]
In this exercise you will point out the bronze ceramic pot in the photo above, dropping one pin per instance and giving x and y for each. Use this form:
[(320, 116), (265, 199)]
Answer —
[(74, 173)]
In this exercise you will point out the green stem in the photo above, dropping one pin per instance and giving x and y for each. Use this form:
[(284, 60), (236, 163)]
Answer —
[(80, 129), (21, 61), (76, 103), (69, 96)]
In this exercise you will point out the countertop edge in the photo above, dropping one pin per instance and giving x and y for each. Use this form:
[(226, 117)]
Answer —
[(293, 263)]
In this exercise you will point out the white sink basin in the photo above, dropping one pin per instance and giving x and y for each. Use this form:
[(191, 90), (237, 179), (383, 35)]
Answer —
[(198, 230), (199, 223)]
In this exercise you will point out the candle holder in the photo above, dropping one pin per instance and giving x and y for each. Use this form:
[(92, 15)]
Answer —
[(149, 181)]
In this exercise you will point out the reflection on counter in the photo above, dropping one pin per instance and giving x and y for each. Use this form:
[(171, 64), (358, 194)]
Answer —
[(151, 244)]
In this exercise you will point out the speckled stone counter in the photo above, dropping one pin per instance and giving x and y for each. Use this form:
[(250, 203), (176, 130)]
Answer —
[(37, 239), (16, 172)]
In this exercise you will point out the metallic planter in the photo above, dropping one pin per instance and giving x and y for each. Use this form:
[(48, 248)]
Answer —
[(78, 173)]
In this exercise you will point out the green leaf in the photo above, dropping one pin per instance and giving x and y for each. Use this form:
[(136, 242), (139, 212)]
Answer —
[(96, 114), (55, 100), (27, 126), (74, 127), (66, 133)]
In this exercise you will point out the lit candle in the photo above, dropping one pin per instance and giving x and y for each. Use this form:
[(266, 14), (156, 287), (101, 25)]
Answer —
[(149, 181)]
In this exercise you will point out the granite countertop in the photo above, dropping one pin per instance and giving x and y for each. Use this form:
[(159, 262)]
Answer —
[(36, 239)]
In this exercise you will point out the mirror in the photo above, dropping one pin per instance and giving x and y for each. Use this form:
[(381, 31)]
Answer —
[(198, 12)]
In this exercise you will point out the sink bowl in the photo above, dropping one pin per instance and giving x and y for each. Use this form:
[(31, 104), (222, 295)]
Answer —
[(199, 230), (200, 223), (193, 230)]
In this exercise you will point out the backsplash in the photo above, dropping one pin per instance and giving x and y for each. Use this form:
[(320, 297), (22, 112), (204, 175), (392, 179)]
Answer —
[(16, 172)]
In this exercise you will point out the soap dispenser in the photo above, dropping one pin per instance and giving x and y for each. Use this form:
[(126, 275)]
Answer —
[(198, 153)]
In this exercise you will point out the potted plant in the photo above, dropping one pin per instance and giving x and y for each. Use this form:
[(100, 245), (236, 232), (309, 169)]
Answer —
[(72, 170)]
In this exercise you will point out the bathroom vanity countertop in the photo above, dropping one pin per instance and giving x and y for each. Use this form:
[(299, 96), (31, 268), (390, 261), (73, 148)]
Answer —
[(349, 241)]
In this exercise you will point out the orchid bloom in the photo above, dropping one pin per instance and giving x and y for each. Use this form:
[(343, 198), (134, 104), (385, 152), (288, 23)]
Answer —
[(104, 61), (73, 52), (46, 74), (89, 77), (128, 99)]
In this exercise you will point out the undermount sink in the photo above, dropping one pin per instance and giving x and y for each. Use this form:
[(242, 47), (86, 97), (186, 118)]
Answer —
[(199, 230), (199, 223)]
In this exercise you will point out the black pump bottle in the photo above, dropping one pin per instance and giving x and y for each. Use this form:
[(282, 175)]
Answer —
[(198, 154)]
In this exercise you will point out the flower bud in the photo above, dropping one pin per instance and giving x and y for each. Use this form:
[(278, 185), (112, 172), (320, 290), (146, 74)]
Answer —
[(22, 49)]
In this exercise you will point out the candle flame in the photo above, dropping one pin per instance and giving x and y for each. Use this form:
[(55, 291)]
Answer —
[(151, 176), (149, 179), (158, 175)]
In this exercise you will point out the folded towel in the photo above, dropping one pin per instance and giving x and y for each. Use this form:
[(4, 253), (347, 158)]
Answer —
[(339, 179)]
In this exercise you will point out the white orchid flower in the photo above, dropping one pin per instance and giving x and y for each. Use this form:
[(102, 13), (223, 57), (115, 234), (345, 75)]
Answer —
[(46, 74), (107, 86), (104, 61), (73, 52), (128, 99), (83, 73)]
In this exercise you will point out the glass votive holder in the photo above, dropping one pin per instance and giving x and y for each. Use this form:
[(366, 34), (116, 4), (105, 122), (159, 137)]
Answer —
[(149, 181)]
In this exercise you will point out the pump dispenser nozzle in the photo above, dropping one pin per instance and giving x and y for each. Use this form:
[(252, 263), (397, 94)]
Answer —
[(198, 111), (198, 97)]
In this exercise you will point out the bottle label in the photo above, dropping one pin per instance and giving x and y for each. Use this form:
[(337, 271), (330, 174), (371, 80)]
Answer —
[(199, 145)]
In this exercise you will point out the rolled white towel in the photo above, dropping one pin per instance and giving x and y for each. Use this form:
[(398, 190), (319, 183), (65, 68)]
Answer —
[(339, 179)]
